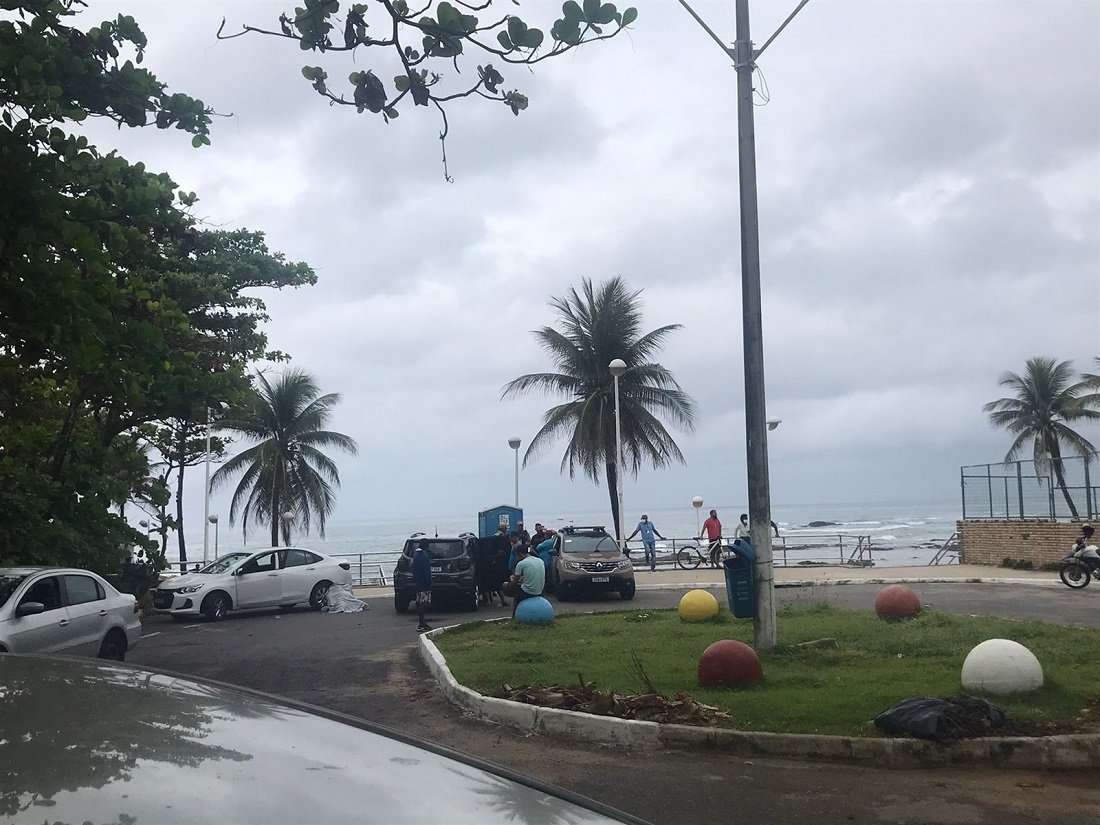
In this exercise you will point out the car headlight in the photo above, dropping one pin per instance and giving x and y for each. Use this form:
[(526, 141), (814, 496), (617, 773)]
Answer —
[(194, 588), (572, 565), (625, 563)]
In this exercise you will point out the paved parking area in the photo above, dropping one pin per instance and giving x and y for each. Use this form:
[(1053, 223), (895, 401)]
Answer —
[(365, 664)]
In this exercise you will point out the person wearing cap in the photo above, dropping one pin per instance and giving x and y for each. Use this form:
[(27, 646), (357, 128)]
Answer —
[(422, 580), (648, 531), (523, 534)]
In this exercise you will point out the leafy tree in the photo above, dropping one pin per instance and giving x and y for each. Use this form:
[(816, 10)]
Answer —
[(594, 328), (286, 471), (115, 309), (1091, 382), (1043, 405), (423, 42)]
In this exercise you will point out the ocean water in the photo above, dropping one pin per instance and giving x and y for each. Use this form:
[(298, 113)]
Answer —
[(899, 534)]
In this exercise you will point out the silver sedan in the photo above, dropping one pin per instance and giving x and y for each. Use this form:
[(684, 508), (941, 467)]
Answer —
[(65, 610)]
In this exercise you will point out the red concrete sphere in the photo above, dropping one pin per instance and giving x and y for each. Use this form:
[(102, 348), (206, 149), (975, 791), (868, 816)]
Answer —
[(896, 602), (727, 663)]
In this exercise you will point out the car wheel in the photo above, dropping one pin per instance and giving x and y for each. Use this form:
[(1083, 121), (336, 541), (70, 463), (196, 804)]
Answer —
[(627, 590), (114, 646), (318, 597), (215, 606), (401, 602)]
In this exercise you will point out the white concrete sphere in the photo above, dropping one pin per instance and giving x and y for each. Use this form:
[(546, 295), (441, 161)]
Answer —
[(1001, 666)]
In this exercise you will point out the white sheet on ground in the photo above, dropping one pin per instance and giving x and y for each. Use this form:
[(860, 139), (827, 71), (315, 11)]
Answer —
[(341, 598)]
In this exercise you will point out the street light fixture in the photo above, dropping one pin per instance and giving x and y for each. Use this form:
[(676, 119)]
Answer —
[(618, 368), (773, 422), (214, 520), (514, 443)]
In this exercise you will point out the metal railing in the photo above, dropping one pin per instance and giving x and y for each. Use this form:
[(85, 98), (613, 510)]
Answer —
[(949, 552), (803, 549), (1029, 489)]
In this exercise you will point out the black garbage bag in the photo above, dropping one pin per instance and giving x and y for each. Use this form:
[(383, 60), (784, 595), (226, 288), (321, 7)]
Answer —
[(941, 720)]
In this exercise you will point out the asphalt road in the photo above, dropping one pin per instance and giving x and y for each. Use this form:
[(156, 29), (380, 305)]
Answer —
[(365, 664)]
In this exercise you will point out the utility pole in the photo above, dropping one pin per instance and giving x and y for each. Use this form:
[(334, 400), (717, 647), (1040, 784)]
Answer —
[(756, 438), (756, 428)]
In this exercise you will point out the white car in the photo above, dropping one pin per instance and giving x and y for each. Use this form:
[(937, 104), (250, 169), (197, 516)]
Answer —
[(272, 577), (65, 610)]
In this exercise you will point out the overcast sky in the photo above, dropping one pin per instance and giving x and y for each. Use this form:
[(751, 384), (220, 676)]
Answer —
[(929, 186)]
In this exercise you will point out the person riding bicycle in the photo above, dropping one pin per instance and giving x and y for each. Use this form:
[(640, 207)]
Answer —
[(712, 527)]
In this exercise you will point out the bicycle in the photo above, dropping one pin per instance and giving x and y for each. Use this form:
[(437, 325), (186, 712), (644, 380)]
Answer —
[(689, 558)]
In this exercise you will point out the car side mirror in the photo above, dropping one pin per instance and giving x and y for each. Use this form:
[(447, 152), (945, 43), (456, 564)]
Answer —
[(30, 609)]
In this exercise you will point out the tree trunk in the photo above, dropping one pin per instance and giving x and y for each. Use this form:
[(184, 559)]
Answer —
[(179, 521), (1059, 475), (613, 490), (275, 518)]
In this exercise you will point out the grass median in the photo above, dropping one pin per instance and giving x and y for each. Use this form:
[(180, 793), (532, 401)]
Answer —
[(806, 688)]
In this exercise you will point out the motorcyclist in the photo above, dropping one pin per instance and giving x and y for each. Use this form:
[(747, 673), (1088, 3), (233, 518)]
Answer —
[(1085, 539)]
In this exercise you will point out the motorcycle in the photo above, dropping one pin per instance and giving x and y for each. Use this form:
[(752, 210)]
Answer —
[(1080, 565)]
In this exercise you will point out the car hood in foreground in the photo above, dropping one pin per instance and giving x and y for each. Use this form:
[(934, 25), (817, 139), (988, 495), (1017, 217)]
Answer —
[(86, 741)]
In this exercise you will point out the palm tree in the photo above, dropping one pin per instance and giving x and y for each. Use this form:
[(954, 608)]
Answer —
[(1043, 404), (594, 328), (286, 472), (1091, 383)]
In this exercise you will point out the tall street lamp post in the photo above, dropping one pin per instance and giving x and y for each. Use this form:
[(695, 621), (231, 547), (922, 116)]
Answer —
[(697, 503), (214, 520), (206, 489), (514, 443), (617, 368)]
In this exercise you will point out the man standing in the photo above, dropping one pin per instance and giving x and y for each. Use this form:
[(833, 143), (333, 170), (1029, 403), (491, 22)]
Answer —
[(523, 534), (528, 580), (648, 531), (422, 579), (712, 527)]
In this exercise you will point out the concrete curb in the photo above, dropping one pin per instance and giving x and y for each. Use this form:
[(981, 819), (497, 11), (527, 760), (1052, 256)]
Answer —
[(883, 580), (1047, 752)]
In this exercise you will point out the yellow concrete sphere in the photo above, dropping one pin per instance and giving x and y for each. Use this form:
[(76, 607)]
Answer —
[(698, 606)]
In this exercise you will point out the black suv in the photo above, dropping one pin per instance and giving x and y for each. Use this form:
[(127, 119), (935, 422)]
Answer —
[(588, 560), (453, 571)]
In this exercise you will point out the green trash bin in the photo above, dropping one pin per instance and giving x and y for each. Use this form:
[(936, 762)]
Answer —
[(737, 564)]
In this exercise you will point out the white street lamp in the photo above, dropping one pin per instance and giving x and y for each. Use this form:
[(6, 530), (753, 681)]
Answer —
[(617, 368), (514, 443), (773, 422), (206, 489), (214, 520), (697, 503)]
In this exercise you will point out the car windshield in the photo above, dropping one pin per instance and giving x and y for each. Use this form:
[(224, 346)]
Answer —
[(224, 563), (439, 549), (8, 583), (588, 543)]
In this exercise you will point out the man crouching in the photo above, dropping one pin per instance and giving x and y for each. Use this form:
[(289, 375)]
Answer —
[(528, 580)]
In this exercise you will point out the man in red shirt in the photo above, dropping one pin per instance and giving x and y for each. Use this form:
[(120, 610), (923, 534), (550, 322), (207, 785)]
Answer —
[(712, 527)]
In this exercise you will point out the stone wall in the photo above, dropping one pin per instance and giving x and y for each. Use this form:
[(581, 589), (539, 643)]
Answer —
[(990, 542)]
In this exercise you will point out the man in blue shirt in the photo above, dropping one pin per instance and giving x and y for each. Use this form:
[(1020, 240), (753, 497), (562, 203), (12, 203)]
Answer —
[(648, 531)]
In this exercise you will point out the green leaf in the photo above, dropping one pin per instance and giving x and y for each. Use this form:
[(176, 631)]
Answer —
[(629, 16), (572, 12), (390, 112), (607, 13), (533, 40), (591, 10), (401, 82), (505, 41), (517, 29)]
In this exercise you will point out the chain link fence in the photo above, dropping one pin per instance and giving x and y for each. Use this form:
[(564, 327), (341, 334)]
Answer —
[(1030, 489)]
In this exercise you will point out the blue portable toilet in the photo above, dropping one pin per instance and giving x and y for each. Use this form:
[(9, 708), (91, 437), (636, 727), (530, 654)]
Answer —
[(491, 520)]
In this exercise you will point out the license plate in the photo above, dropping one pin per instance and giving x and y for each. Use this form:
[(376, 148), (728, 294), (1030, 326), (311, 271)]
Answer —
[(437, 569), (601, 578)]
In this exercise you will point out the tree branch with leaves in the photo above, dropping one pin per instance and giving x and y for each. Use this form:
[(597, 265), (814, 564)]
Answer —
[(421, 40)]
